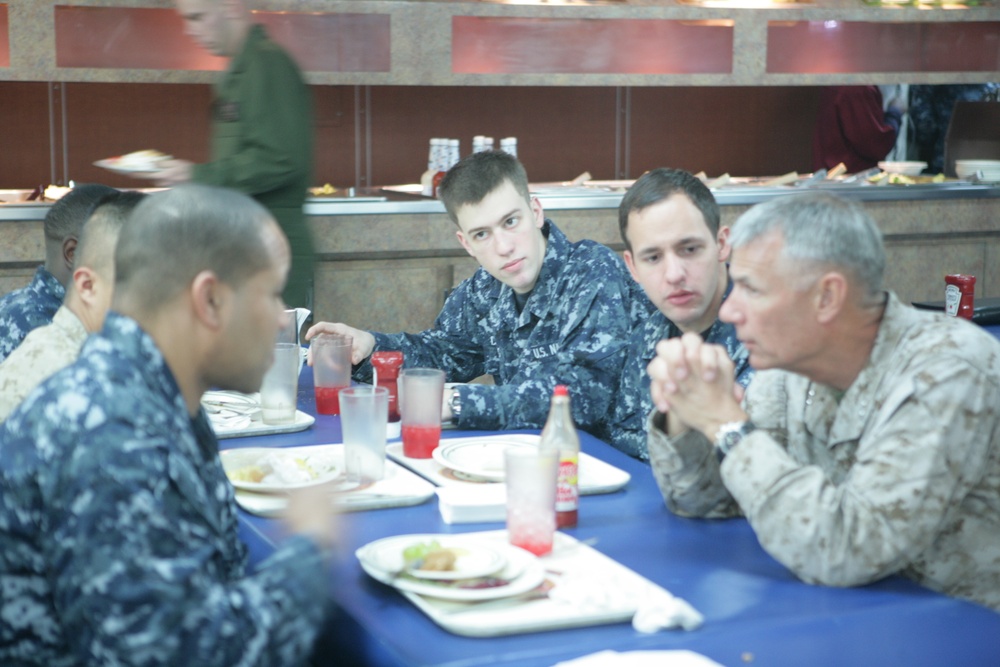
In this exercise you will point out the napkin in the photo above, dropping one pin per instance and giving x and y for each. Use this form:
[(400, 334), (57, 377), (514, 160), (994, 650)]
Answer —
[(641, 659), (474, 503), (660, 610)]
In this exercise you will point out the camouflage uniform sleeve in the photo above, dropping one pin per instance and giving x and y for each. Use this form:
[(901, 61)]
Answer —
[(452, 344), (627, 429), (687, 472), (140, 580), (593, 333), (918, 455)]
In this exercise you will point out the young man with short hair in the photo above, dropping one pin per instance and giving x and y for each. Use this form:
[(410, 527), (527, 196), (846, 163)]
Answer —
[(540, 311), (676, 250)]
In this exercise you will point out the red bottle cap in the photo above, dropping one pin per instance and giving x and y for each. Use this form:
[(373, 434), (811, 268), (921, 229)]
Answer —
[(560, 390)]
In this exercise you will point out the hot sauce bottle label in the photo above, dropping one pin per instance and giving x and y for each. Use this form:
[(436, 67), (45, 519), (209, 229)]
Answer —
[(567, 490), (952, 299)]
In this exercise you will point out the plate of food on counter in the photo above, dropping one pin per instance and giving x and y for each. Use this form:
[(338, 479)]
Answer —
[(138, 162)]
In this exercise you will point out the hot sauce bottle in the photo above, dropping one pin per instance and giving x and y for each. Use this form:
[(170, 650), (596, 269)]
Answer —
[(958, 295), (560, 435), (387, 365)]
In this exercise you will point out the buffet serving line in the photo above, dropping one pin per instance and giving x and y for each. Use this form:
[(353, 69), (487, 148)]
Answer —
[(628, 554)]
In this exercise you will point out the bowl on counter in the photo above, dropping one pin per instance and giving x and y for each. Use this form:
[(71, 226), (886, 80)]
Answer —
[(988, 169), (907, 168)]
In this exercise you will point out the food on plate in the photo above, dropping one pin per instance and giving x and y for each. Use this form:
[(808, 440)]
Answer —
[(278, 468), (141, 158), (55, 192), (327, 189), (430, 557)]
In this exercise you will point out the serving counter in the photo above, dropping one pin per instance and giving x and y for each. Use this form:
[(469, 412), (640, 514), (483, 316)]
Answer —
[(386, 259)]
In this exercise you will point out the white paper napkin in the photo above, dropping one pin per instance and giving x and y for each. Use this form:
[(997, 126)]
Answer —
[(662, 611), (473, 503), (641, 659)]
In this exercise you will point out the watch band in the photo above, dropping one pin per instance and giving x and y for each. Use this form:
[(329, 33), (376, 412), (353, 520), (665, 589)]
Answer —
[(455, 403), (729, 435)]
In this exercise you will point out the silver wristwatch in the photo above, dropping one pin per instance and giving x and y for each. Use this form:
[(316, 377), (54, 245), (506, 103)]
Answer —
[(729, 435), (455, 403)]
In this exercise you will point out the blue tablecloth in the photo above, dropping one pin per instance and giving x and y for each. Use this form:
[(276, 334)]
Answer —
[(756, 612)]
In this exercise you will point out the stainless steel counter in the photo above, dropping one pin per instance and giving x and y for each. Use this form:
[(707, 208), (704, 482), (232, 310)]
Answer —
[(559, 197)]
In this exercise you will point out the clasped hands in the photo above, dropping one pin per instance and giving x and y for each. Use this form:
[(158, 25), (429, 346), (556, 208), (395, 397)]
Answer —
[(692, 382)]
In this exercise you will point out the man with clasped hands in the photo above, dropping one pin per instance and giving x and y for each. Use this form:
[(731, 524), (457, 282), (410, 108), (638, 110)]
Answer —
[(868, 443)]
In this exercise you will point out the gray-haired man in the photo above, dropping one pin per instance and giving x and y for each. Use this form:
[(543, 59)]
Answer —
[(871, 447)]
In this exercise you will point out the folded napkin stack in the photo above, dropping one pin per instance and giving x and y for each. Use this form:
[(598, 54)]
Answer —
[(474, 503)]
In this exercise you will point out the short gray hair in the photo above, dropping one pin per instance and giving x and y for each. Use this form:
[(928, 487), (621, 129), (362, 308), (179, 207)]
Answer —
[(172, 236), (819, 228)]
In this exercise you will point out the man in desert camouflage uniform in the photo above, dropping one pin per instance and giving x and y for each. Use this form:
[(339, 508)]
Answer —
[(118, 528), (540, 311), (676, 249), (54, 346), (871, 447), (36, 304)]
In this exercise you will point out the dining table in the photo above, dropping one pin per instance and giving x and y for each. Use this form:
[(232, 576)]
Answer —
[(755, 611)]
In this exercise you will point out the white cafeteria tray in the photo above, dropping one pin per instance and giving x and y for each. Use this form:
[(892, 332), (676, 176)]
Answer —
[(399, 488), (589, 589)]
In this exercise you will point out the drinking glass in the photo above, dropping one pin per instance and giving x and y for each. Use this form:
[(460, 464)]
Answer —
[(280, 387), (364, 413), (420, 394), (331, 355), (531, 498)]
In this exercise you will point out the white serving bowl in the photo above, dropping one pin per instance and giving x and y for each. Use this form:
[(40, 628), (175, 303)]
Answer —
[(907, 168), (990, 169)]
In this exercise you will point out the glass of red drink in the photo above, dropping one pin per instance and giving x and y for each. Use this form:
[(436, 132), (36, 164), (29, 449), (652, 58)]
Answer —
[(420, 394), (530, 475), (331, 357)]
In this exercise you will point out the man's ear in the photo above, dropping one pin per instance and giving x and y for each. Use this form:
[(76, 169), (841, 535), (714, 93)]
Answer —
[(830, 297), (465, 243), (630, 263), (69, 251), (85, 282), (725, 250), (537, 212), (209, 300)]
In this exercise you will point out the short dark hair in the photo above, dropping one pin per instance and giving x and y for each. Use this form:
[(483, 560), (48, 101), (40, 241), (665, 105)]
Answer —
[(174, 235), (476, 176), (70, 212), (661, 183), (99, 235)]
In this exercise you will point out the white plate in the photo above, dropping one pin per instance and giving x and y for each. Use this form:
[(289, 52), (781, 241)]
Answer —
[(473, 558), (115, 164), (479, 458), (330, 457), (523, 570)]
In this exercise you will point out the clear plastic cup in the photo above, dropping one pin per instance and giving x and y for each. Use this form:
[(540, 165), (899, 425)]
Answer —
[(331, 357), (420, 394), (531, 498), (280, 387), (364, 413)]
